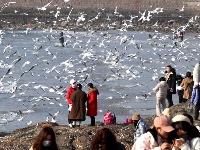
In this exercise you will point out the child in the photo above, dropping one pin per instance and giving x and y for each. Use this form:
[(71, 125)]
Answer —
[(161, 92)]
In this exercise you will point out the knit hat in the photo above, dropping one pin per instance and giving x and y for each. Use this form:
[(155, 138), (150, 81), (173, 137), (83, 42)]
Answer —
[(166, 112), (178, 118), (164, 123), (136, 117), (72, 81)]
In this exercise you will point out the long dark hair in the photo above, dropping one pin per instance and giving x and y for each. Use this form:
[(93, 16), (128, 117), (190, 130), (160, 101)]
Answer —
[(191, 130), (38, 145), (104, 140)]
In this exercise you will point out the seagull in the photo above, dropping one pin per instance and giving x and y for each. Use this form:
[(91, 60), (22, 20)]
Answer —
[(54, 116), (29, 123), (45, 7), (21, 117)]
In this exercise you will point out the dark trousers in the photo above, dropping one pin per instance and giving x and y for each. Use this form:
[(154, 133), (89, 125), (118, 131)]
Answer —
[(169, 98), (196, 112), (92, 120), (180, 95), (197, 108), (69, 120)]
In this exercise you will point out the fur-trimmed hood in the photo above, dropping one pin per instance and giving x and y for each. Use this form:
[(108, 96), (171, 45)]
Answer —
[(196, 74)]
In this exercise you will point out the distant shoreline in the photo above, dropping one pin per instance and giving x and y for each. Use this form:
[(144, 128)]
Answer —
[(135, 27)]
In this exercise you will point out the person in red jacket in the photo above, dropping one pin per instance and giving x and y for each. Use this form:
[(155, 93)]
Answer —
[(70, 90), (92, 103)]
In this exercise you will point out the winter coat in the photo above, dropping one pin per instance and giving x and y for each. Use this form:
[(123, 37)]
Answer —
[(196, 74), (171, 81), (147, 142), (187, 84), (92, 102), (194, 144), (78, 110), (70, 90), (141, 128), (161, 89), (195, 95)]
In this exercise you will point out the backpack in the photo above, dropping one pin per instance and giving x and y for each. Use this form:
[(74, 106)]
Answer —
[(109, 118)]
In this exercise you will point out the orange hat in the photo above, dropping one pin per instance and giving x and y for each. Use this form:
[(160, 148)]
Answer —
[(136, 117)]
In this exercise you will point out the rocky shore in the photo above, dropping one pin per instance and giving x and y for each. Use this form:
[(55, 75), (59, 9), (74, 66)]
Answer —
[(77, 138), (101, 20)]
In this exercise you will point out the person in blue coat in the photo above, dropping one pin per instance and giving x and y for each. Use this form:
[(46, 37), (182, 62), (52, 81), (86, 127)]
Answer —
[(140, 126)]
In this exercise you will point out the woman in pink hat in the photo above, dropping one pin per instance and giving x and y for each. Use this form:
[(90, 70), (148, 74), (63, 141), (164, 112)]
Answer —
[(152, 139)]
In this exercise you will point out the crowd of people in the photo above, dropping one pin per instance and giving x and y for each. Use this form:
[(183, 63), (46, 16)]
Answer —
[(177, 133), (187, 89), (166, 133)]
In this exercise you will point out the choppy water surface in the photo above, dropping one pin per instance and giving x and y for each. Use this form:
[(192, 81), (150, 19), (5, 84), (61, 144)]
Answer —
[(124, 66)]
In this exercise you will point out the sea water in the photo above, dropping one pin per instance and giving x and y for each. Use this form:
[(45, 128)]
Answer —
[(123, 65)]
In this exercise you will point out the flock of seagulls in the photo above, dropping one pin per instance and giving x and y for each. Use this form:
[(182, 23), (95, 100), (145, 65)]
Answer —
[(124, 65)]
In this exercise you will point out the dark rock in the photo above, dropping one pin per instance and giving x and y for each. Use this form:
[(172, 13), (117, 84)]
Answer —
[(78, 138)]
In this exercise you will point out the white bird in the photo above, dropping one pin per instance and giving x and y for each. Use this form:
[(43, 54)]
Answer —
[(81, 18), (21, 117), (66, 1), (45, 7), (29, 123)]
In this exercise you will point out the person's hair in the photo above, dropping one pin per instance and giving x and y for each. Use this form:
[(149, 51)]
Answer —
[(190, 117), (90, 85), (169, 66), (188, 74), (172, 135), (162, 79), (38, 144), (79, 86), (190, 129), (104, 140)]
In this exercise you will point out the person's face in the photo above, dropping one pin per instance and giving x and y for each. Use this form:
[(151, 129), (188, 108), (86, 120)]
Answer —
[(168, 69), (74, 85), (181, 132), (47, 141), (48, 138), (162, 133)]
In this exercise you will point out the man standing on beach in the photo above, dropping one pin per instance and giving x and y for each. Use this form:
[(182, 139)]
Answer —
[(171, 81)]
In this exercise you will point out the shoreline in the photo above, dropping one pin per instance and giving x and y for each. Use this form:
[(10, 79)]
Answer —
[(79, 138)]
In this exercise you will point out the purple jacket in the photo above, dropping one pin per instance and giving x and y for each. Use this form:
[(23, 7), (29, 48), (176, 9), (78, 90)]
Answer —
[(195, 94)]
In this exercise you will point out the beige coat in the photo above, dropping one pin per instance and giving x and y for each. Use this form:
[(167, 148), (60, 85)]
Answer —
[(161, 89), (187, 84)]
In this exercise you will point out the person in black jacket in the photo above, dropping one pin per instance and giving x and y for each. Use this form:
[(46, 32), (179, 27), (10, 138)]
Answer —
[(61, 39), (171, 81)]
